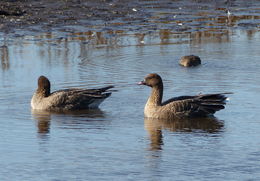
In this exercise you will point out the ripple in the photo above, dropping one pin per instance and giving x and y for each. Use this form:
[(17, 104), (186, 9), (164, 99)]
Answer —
[(48, 144)]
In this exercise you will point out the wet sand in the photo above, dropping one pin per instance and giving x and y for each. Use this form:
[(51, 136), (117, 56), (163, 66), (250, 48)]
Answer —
[(25, 17)]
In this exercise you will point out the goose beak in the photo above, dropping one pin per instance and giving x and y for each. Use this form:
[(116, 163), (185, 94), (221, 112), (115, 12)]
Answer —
[(141, 83)]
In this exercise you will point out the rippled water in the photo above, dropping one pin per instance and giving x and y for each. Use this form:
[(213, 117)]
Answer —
[(116, 142)]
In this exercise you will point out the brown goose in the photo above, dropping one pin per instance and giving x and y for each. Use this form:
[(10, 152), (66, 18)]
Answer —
[(184, 106), (67, 99), (190, 60)]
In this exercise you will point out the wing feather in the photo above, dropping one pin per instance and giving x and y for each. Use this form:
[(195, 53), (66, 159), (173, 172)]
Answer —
[(201, 105)]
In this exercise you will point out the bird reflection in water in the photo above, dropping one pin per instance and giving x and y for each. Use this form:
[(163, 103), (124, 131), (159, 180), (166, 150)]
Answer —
[(155, 128), (70, 118), (43, 119)]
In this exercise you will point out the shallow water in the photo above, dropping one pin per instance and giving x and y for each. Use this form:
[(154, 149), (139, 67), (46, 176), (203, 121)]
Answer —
[(116, 142)]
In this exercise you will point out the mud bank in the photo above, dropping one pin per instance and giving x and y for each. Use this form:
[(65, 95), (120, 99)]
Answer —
[(29, 16)]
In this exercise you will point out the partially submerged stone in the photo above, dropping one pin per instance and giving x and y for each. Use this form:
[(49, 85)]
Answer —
[(190, 60)]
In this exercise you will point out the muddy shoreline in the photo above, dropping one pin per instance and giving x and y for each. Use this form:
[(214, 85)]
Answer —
[(25, 17)]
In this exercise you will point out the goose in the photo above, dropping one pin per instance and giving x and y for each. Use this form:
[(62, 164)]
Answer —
[(190, 60), (67, 99), (201, 105)]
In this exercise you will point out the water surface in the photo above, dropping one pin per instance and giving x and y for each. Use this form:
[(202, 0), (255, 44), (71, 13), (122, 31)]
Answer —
[(116, 142)]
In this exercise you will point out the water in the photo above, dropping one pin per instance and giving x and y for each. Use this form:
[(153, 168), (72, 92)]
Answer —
[(116, 142)]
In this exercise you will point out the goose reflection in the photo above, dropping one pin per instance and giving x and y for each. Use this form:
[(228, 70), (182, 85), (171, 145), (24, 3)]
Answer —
[(44, 118), (155, 128)]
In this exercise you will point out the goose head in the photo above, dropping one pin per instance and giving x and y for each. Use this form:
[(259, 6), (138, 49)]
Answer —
[(44, 85), (152, 80)]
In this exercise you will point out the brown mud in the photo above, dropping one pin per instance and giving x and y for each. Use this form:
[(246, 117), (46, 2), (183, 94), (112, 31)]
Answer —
[(26, 17)]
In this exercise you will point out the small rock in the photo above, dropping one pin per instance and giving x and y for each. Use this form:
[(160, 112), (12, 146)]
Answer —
[(190, 60)]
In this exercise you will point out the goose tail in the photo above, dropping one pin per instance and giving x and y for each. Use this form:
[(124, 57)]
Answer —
[(211, 103)]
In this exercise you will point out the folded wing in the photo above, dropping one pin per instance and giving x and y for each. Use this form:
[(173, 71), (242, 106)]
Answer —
[(73, 99), (200, 105)]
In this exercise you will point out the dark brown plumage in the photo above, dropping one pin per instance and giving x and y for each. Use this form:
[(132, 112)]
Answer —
[(184, 106), (190, 61)]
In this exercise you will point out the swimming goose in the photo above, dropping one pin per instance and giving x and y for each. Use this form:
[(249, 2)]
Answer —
[(190, 60), (184, 106), (67, 99)]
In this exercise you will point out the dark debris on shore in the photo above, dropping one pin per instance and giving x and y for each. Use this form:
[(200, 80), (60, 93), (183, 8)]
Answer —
[(135, 15)]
